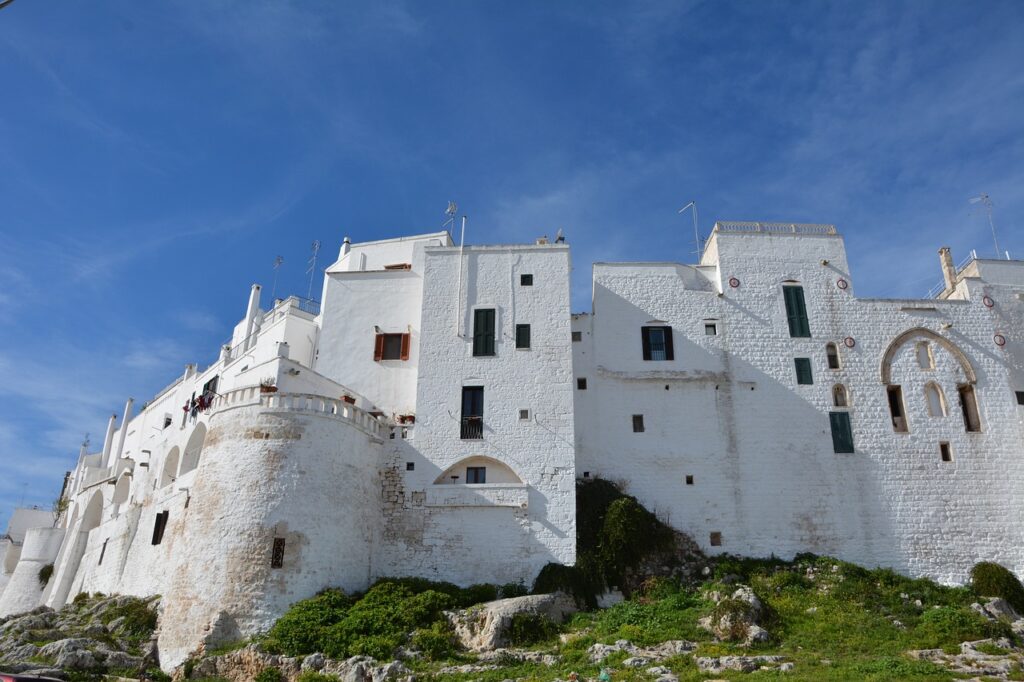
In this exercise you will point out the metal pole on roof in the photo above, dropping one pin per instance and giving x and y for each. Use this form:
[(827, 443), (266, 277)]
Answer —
[(696, 232)]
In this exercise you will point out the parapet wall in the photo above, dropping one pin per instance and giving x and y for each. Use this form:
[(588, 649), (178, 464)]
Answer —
[(23, 590)]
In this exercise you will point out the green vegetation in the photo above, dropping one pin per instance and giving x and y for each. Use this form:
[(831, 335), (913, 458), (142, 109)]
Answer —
[(269, 675), (313, 676), (992, 580), (527, 629), (45, 573)]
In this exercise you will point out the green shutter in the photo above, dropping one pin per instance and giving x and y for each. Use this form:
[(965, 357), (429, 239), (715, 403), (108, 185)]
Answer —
[(803, 371), (522, 336), (796, 311), (842, 431), (483, 331)]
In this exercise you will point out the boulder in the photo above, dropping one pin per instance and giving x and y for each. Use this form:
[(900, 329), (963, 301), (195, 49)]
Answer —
[(484, 627), (745, 664), (737, 618)]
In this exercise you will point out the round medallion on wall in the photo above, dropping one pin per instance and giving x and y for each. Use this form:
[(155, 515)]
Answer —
[(1000, 340), (842, 284), (849, 342), (988, 302), (733, 282)]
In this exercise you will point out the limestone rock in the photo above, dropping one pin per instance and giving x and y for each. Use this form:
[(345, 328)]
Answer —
[(659, 652), (485, 627), (745, 664)]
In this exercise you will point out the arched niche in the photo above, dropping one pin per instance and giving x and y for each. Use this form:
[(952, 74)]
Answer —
[(935, 400), (920, 334), (494, 471), (93, 513), (194, 447), (122, 489), (170, 470), (840, 396)]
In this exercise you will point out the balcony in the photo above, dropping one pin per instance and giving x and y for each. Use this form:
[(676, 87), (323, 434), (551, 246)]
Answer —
[(472, 428)]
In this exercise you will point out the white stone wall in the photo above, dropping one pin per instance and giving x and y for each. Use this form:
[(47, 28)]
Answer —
[(728, 412), (23, 590)]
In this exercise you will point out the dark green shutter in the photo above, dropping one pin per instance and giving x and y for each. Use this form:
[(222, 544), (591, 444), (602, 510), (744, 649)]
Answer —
[(483, 331), (803, 371), (796, 312), (842, 431), (522, 336)]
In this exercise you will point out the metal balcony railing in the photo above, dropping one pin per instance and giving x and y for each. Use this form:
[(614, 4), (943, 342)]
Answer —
[(472, 428)]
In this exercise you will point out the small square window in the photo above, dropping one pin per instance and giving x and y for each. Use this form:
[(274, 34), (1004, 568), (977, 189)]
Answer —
[(689, 479), (526, 280), (524, 414), (392, 349), (277, 554), (586, 474), (522, 336), (945, 452), (167, 420), (716, 539), (476, 474), (710, 329), (103, 552), (410, 466), (577, 336), (638, 423), (581, 384)]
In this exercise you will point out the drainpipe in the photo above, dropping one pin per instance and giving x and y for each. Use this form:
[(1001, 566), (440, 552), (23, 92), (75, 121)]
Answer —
[(124, 430), (948, 269), (250, 315), (108, 440)]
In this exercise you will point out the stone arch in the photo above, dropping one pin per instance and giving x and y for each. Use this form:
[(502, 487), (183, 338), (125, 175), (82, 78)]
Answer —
[(194, 447), (899, 341), (93, 514), (497, 472), (935, 400), (122, 489), (840, 396), (170, 470)]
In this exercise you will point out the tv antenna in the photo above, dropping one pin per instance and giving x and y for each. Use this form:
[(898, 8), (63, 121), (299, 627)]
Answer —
[(451, 211), (986, 201), (277, 266), (312, 267), (696, 232)]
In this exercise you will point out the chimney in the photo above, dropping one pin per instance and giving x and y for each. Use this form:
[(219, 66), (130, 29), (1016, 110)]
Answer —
[(346, 246), (250, 316), (948, 269), (108, 440)]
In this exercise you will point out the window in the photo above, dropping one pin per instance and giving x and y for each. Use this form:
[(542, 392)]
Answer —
[(472, 412), (842, 432), (483, 332), (581, 384), (935, 400), (1020, 397), (103, 552), (410, 466), (524, 415), (803, 371), (577, 336), (586, 474), (391, 347), (277, 554), (167, 420), (710, 329), (896, 411), (716, 539), (526, 280), (159, 525), (925, 359), (796, 311), (476, 474), (657, 343), (638, 423), (945, 452), (832, 355), (399, 266), (522, 336), (969, 406), (689, 479), (839, 396)]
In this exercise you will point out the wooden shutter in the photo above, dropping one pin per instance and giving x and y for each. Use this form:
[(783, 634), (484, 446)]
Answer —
[(803, 371), (842, 432), (645, 339), (406, 338), (796, 311), (669, 353), (378, 348), (483, 331)]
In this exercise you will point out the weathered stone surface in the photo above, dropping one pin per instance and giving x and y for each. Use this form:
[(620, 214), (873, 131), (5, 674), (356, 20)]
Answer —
[(746, 664), (244, 664), (739, 618), (659, 652), (485, 627)]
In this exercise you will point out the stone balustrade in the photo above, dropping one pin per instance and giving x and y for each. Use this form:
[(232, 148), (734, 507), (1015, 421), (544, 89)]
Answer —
[(300, 402)]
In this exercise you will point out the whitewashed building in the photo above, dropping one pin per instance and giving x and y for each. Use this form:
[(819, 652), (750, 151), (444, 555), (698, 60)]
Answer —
[(431, 416)]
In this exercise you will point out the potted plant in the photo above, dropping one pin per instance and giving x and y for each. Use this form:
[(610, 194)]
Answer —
[(268, 385)]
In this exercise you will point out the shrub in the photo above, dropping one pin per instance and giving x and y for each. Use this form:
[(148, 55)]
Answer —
[(313, 676), (269, 675), (530, 628), (568, 579), (302, 628), (992, 580), (948, 624), (509, 590), (139, 619), (45, 573), (436, 642)]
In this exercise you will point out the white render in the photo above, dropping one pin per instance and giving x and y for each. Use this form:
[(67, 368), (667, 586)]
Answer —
[(355, 466)]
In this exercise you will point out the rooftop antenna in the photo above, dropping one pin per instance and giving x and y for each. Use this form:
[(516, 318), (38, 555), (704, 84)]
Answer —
[(986, 201), (312, 268), (277, 265), (696, 233), (451, 212)]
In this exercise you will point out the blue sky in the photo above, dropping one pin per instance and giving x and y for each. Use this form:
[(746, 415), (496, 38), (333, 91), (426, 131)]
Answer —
[(157, 156)]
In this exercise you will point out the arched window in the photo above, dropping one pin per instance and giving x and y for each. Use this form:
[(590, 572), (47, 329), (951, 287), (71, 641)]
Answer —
[(925, 359), (122, 489), (935, 400), (170, 470), (190, 460), (477, 470), (832, 355), (840, 398)]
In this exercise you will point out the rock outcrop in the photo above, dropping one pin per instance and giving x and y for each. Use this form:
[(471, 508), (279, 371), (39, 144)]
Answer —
[(485, 627)]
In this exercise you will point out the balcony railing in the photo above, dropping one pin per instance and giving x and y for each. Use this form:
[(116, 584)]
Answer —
[(300, 402), (790, 228), (472, 428)]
